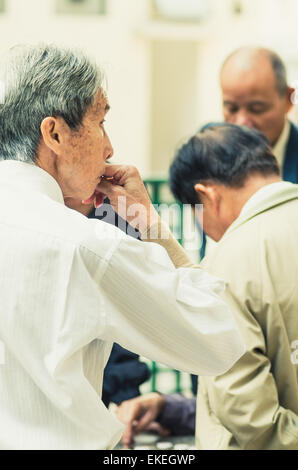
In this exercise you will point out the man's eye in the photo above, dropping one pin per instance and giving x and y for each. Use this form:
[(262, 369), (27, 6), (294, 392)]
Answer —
[(257, 109), (103, 127), (231, 109)]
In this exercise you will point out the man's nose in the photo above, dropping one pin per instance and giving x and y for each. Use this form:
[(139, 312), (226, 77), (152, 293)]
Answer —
[(243, 119)]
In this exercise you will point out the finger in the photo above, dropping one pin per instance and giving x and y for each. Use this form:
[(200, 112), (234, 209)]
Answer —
[(111, 190), (129, 412), (126, 446), (113, 170), (99, 198), (145, 420), (97, 195), (129, 433), (156, 427), (121, 173), (89, 200), (105, 187)]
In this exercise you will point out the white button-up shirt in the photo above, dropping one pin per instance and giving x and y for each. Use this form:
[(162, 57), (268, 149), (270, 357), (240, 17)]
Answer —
[(69, 287)]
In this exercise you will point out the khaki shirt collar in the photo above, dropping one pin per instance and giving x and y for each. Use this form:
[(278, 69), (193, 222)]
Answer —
[(267, 197)]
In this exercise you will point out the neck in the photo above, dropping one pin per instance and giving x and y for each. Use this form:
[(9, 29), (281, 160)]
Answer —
[(275, 141), (47, 161), (240, 196)]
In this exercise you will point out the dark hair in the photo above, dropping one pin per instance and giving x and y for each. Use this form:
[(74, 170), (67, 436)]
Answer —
[(223, 153), (280, 72)]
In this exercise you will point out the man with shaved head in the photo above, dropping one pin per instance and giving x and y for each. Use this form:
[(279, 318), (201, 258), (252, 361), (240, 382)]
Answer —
[(255, 93)]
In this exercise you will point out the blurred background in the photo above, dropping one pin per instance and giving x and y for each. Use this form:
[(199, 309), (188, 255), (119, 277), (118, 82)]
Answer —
[(162, 60), (161, 57)]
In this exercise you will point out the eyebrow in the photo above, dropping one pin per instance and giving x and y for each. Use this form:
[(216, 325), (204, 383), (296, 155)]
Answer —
[(258, 103), (229, 102), (250, 103)]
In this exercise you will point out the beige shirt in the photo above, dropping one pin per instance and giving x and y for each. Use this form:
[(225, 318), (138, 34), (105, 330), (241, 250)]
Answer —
[(255, 404), (266, 192)]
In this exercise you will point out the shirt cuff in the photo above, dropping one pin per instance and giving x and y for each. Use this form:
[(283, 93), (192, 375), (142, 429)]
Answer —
[(161, 234)]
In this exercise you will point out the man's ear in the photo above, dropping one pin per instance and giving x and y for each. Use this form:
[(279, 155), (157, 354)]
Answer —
[(291, 98), (208, 194), (53, 131)]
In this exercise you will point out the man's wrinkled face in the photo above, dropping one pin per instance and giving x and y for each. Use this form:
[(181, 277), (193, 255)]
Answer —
[(251, 98), (86, 151)]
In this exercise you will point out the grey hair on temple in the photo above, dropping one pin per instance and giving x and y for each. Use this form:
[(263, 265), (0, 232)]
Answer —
[(248, 55), (41, 81)]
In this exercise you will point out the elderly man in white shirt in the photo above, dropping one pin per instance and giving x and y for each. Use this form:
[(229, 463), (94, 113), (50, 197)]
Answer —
[(71, 286)]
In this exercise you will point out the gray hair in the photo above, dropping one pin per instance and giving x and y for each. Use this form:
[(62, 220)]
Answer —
[(41, 81), (280, 72), (278, 66)]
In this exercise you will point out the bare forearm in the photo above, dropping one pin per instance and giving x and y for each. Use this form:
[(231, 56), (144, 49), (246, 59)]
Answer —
[(160, 233)]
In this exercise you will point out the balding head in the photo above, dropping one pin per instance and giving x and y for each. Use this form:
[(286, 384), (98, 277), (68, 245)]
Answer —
[(249, 59), (255, 90)]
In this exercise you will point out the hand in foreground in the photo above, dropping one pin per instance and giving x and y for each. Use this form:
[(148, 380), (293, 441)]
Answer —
[(127, 194), (139, 414)]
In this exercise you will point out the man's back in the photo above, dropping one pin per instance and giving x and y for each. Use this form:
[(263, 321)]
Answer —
[(255, 404), (54, 360)]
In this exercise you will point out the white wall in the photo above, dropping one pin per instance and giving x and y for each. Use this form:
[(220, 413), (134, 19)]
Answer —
[(162, 76), (174, 89), (186, 61), (268, 23)]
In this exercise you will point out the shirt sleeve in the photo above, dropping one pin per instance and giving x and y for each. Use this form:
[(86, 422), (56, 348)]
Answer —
[(173, 316), (161, 234), (246, 400), (178, 415)]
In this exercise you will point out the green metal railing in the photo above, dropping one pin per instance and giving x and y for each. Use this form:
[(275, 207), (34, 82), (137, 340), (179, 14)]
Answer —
[(159, 192)]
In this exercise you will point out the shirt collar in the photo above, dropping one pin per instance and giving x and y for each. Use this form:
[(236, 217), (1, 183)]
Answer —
[(265, 198), (29, 177), (264, 193), (279, 150)]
